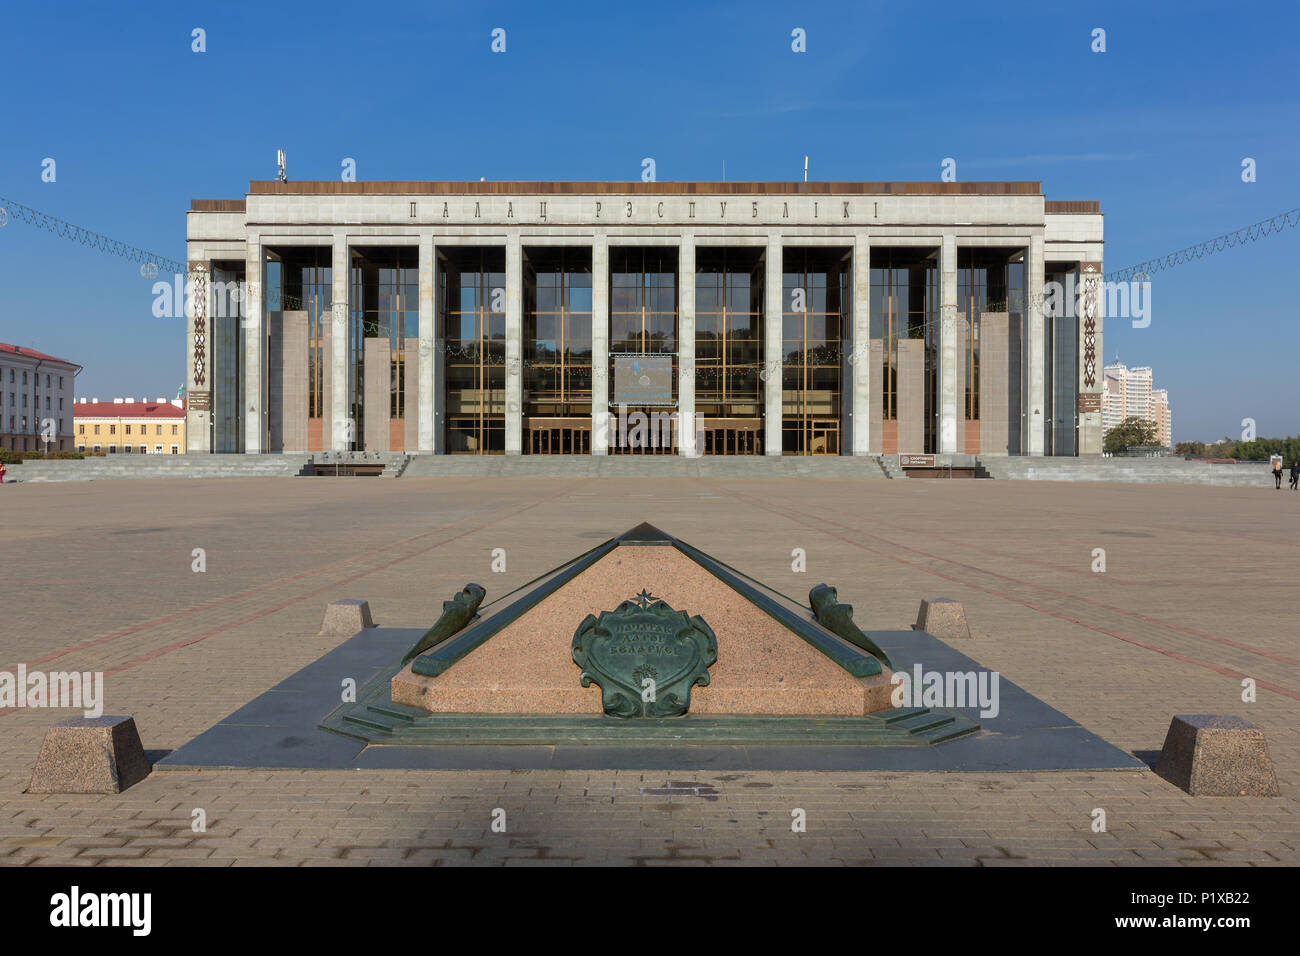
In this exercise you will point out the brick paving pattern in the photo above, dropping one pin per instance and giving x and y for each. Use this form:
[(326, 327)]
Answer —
[(1198, 594)]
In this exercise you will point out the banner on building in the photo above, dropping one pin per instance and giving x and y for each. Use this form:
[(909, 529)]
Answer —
[(641, 379)]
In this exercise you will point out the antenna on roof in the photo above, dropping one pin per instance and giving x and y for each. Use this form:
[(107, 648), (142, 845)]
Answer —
[(279, 163), (805, 169)]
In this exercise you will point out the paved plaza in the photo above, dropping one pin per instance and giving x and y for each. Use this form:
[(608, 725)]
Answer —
[(1198, 593)]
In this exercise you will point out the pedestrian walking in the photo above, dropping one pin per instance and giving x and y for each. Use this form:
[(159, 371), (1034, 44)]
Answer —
[(1295, 475), (1275, 462)]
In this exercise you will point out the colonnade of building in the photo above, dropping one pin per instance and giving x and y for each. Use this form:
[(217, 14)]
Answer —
[(987, 395), (832, 338)]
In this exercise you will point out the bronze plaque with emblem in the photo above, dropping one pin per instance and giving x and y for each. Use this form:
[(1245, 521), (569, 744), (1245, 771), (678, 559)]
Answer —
[(645, 657)]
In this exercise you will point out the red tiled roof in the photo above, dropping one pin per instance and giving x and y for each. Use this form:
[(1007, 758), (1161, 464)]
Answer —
[(33, 354), (126, 410)]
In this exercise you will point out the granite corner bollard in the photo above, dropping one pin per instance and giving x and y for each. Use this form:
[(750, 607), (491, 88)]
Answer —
[(90, 755), (345, 617), (1214, 755), (942, 617)]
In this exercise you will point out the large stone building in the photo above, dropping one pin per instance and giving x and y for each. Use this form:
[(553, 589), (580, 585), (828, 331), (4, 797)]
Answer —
[(542, 317), (35, 400), (130, 427)]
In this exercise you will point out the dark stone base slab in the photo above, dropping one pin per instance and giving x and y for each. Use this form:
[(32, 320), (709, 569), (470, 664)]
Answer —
[(279, 730), (376, 719)]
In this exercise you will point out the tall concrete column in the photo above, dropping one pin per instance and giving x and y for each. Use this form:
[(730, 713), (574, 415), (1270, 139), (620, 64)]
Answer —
[(342, 427), (1035, 350), (514, 343), (950, 359), (774, 306), (426, 383), (201, 345), (254, 348), (600, 345), (860, 440), (687, 427), (1090, 315)]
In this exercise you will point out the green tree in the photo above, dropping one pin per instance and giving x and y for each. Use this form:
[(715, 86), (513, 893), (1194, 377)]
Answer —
[(1129, 433), (1258, 450)]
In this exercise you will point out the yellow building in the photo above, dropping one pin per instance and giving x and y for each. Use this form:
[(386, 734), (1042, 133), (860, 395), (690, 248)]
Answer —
[(125, 426)]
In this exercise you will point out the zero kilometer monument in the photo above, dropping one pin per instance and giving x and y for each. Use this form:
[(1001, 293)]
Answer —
[(530, 317), (644, 651)]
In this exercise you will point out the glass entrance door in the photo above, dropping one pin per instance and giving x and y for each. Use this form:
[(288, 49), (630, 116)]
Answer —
[(814, 321)]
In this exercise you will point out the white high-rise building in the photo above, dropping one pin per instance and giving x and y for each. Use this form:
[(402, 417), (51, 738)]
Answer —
[(1127, 393), (1161, 416), (1113, 395), (1137, 392)]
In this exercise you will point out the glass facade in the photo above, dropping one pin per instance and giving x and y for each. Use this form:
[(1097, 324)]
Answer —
[(226, 344), (643, 301), (307, 284), (905, 306), (385, 307), (728, 379), (729, 349), (642, 320), (1062, 369), (472, 310), (816, 300), (297, 280), (557, 351), (989, 280)]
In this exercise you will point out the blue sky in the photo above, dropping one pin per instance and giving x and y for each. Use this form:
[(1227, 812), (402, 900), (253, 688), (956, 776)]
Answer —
[(1155, 128)]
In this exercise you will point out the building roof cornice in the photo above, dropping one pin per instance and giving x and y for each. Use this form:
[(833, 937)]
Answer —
[(18, 351), (636, 187)]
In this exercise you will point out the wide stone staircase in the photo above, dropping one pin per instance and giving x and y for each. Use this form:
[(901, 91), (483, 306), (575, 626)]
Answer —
[(1141, 470), (890, 466), (641, 466), (382, 464), (400, 464), (108, 467)]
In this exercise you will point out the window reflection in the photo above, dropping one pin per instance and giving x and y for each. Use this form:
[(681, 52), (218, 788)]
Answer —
[(385, 314), (729, 349), (472, 297), (904, 306), (988, 280), (643, 319), (816, 303), (557, 350)]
